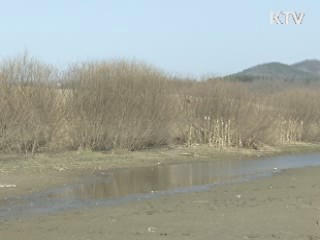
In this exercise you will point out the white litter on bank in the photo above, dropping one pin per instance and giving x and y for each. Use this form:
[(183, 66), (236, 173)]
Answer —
[(7, 185)]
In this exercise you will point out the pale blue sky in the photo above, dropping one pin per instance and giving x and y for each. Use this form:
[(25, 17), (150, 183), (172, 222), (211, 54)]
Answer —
[(180, 36)]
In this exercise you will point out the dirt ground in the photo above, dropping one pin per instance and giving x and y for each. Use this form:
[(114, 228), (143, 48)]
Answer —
[(285, 206), (36, 173)]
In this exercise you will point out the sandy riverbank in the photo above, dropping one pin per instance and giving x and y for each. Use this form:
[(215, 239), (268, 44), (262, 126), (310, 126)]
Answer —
[(285, 206), (43, 171)]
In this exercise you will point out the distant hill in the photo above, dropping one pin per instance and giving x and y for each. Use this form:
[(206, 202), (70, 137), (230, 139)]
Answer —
[(305, 71), (311, 66)]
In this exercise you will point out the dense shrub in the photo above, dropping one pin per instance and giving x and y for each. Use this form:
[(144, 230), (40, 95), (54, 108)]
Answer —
[(129, 105)]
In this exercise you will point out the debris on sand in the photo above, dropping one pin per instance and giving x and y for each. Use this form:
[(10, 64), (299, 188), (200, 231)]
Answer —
[(7, 185), (61, 168), (152, 229)]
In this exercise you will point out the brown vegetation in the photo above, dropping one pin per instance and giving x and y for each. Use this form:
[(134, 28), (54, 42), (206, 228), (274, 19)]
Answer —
[(128, 105)]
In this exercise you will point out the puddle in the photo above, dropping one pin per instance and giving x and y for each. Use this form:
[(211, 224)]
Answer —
[(116, 186)]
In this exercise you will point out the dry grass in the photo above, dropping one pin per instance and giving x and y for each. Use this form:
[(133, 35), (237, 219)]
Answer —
[(120, 105)]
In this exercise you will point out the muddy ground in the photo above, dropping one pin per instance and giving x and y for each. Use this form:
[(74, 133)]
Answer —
[(285, 206), (47, 170)]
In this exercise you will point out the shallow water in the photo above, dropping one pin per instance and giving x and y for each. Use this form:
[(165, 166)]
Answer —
[(116, 186)]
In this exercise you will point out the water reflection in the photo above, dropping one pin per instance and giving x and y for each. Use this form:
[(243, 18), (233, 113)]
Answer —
[(154, 179), (120, 183)]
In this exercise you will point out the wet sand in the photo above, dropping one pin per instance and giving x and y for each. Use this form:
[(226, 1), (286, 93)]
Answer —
[(285, 206)]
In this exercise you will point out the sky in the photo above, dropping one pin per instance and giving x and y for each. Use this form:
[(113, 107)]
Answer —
[(185, 37)]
